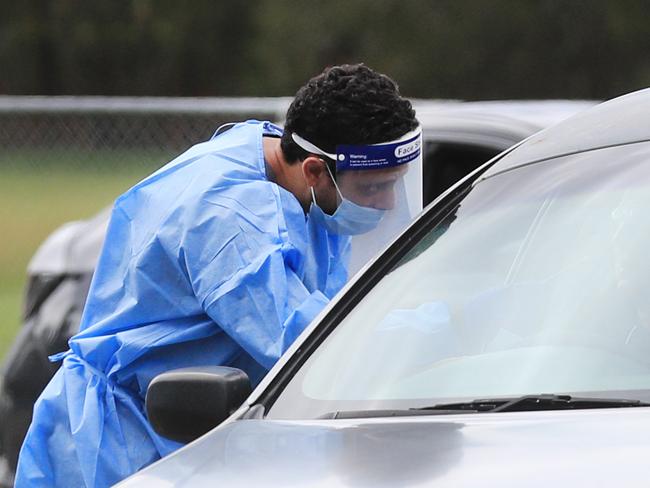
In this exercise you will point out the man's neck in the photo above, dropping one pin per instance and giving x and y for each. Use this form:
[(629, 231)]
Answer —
[(288, 176)]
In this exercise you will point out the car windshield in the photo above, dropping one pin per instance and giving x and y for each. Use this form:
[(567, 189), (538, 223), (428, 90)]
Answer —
[(534, 282)]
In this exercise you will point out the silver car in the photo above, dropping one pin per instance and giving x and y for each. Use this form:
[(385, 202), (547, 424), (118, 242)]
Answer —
[(502, 340)]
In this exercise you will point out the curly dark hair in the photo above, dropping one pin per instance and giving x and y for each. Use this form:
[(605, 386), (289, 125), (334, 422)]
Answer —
[(347, 104)]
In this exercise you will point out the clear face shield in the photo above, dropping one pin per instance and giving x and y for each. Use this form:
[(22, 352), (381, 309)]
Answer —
[(379, 192)]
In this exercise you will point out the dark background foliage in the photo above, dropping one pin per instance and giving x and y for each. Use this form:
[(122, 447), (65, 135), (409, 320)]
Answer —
[(467, 49)]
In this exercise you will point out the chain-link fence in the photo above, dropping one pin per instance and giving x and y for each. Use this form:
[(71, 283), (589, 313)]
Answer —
[(65, 158), (107, 133)]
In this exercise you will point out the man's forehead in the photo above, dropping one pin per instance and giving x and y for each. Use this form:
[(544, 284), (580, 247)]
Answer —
[(376, 174)]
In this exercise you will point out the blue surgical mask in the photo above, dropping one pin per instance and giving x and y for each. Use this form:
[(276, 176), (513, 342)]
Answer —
[(348, 219)]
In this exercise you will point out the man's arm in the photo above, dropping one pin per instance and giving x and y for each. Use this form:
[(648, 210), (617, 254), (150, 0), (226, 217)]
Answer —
[(242, 273)]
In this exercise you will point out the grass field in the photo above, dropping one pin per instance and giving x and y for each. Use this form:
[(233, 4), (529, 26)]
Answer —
[(37, 198)]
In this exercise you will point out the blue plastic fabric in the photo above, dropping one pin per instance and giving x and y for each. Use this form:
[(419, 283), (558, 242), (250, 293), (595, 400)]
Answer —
[(205, 262)]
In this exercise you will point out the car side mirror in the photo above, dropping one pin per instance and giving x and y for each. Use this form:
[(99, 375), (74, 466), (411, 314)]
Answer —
[(184, 404)]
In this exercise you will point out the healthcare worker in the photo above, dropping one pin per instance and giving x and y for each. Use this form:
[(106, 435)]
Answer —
[(222, 257)]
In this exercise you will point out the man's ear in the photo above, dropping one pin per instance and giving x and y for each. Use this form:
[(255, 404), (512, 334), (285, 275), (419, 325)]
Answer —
[(313, 168)]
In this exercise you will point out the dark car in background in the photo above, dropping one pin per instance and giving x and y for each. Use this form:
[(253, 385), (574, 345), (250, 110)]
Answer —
[(502, 340), (458, 137)]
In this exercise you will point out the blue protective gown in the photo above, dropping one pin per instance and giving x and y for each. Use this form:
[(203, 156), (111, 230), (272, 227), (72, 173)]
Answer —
[(205, 262)]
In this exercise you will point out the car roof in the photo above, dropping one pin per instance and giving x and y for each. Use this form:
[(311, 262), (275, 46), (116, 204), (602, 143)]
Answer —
[(623, 120), (492, 123), (540, 113), (72, 248)]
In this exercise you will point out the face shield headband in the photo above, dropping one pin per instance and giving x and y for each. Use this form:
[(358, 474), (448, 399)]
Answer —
[(370, 156)]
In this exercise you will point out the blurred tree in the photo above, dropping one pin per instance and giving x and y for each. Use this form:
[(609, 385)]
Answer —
[(127, 47), (469, 49)]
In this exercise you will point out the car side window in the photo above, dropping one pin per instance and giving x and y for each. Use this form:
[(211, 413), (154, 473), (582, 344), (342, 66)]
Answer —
[(445, 163)]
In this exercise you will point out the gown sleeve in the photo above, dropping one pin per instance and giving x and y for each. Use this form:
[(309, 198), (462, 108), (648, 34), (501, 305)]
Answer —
[(245, 277)]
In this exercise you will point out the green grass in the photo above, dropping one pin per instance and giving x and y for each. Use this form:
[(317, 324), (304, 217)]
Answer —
[(38, 195)]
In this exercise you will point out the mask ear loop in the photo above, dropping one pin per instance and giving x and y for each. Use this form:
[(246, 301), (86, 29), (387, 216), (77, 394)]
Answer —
[(311, 188), (333, 180), (313, 195)]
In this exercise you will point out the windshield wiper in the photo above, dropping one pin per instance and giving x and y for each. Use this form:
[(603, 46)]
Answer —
[(529, 403), (367, 414), (526, 403)]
